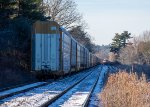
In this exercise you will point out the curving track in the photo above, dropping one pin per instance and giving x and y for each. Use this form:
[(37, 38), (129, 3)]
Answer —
[(43, 95), (77, 90), (79, 95)]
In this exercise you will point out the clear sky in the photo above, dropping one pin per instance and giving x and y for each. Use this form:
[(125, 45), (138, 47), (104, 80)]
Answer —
[(107, 17)]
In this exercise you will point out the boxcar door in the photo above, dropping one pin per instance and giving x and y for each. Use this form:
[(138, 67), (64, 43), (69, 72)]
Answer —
[(55, 52), (36, 52), (66, 52), (45, 52)]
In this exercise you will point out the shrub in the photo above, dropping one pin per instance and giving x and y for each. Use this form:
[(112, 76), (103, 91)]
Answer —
[(126, 90)]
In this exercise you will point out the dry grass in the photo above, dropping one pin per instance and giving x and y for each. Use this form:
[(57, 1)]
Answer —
[(126, 90)]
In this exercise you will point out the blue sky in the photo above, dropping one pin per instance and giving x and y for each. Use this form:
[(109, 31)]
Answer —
[(107, 17)]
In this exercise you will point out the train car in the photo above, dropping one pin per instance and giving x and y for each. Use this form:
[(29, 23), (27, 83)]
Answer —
[(91, 60), (88, 65), (73, 55), (51, 49), (66, 51), (81, 57), (45, 47), (56, 52), (87, 58)]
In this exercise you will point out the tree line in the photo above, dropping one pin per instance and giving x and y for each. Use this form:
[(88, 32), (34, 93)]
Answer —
[(129, 50), (17, 17)]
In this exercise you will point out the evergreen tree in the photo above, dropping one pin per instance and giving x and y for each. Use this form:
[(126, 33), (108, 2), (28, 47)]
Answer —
[(7, 11), (119, 41), (31, 9), (116, 44), (124, 36)]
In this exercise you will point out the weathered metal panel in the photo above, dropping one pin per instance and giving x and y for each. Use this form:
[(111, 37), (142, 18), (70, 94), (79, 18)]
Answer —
[(87, 58), (90, 60), (81, 57), (78, 56), (73, 53), (33, 52), (37, 52), (55, 64), (46, 46), (47, 52), (66, 48)]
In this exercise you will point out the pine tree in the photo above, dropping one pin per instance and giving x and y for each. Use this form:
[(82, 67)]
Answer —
[(30, 9), (116, 44), (124, 36), (7, 11), (119, 41)]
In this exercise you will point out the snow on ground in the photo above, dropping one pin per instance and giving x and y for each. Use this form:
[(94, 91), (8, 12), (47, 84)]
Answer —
[(14, 90), (40, 95), (77, 96), (94, 99)]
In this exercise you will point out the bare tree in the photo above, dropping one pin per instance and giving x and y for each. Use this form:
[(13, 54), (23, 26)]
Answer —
[(138, 52), (128, 55), (144, 46), (63, 11)]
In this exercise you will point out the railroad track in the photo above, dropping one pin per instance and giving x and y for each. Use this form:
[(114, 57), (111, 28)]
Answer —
[(17, 90), (42, 96), (79, 95)]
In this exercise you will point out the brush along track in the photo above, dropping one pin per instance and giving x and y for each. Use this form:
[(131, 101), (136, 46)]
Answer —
[(41, 95)]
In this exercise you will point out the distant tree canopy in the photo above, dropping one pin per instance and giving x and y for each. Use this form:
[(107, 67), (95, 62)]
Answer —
[(119, 41), (17, 17)]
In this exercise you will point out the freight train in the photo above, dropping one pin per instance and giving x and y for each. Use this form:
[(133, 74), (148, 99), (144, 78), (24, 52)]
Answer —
[(56, 52)]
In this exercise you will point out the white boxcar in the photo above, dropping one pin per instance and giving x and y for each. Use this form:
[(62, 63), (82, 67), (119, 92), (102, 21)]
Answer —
[(66, 50), (73, 54), (54, 51), (45, 46), (78, 57), (50, 48)]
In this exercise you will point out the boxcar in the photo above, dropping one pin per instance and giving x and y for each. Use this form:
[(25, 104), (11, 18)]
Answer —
[(51, 49), (84, 57), (78, 57), (66, 51), (73, 55), (56, 52), (45, 46), (81, 57)]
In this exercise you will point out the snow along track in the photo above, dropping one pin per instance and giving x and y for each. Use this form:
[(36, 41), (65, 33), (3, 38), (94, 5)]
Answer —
[(11, 92), (42, 95), (94, 100), (78, 96)]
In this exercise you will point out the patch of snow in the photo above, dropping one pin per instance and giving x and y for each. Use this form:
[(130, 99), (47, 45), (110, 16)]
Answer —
[(40, 95), (78, 95), (11, 91), (94, 99)]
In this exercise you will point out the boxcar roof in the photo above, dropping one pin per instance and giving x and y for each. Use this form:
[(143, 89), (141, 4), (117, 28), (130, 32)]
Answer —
[(45, 27)]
